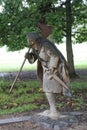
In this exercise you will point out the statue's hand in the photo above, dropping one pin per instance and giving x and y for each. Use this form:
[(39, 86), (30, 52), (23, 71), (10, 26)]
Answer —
[(51, 71), (31, 57), (27, 55)]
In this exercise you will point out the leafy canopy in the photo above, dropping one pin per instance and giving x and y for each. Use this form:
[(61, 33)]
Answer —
[(21, 16)]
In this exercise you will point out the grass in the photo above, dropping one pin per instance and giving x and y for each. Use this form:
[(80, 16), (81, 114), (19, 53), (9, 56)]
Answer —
[(81, 65), (79, 85), (10, 67), (12, 61), (27, 96), (79, 90)]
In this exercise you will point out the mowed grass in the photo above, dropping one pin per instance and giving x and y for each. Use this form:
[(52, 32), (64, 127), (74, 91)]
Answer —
[(81, 65), (11, 67), (25, 97), (12, 61), (28, 96)]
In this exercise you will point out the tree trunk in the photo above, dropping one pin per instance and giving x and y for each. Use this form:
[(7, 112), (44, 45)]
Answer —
[(68, 39)]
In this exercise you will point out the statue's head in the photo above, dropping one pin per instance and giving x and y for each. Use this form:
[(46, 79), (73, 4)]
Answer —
[(32, 38)]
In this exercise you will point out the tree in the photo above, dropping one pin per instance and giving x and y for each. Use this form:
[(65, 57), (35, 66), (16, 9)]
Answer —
[(17, 18), (68, 18), (80, 20), (68, 38), (65, 18)]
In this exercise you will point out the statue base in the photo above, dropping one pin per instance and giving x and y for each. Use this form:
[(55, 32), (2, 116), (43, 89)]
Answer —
[(64, 121)]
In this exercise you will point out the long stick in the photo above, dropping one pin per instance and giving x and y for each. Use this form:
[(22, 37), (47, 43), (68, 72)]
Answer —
[(60, 81), (17, 74)]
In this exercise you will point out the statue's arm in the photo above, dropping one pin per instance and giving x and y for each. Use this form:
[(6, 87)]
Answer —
[(53, 61), (31, 56)]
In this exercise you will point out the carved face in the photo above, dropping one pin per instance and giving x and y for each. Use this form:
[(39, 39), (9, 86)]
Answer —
[(31, 42), (32, 39)]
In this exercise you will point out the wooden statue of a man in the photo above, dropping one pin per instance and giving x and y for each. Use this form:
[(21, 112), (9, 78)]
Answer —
[(52, 70)]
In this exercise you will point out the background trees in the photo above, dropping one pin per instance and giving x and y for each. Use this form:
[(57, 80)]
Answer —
[(67, 17)]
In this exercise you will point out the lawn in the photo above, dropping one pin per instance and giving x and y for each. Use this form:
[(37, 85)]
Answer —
[(27, 96), (12, 61)]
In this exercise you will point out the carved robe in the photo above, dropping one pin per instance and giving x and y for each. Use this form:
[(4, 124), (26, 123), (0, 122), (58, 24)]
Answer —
[(50, 59)]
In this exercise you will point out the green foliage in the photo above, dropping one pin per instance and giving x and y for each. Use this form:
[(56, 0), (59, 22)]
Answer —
[(58, 26), (27, 96), (78, 102), (79, 86), (21, 16), (26, 107), (79, 11), (16, 21)]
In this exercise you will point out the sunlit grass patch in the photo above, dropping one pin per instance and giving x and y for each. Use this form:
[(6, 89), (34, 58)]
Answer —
[(27, 96), (81, 65), (10, 67), (79, 85)]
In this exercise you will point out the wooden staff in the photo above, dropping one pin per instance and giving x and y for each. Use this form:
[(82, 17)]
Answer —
[(58, 79), (17, 74)]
